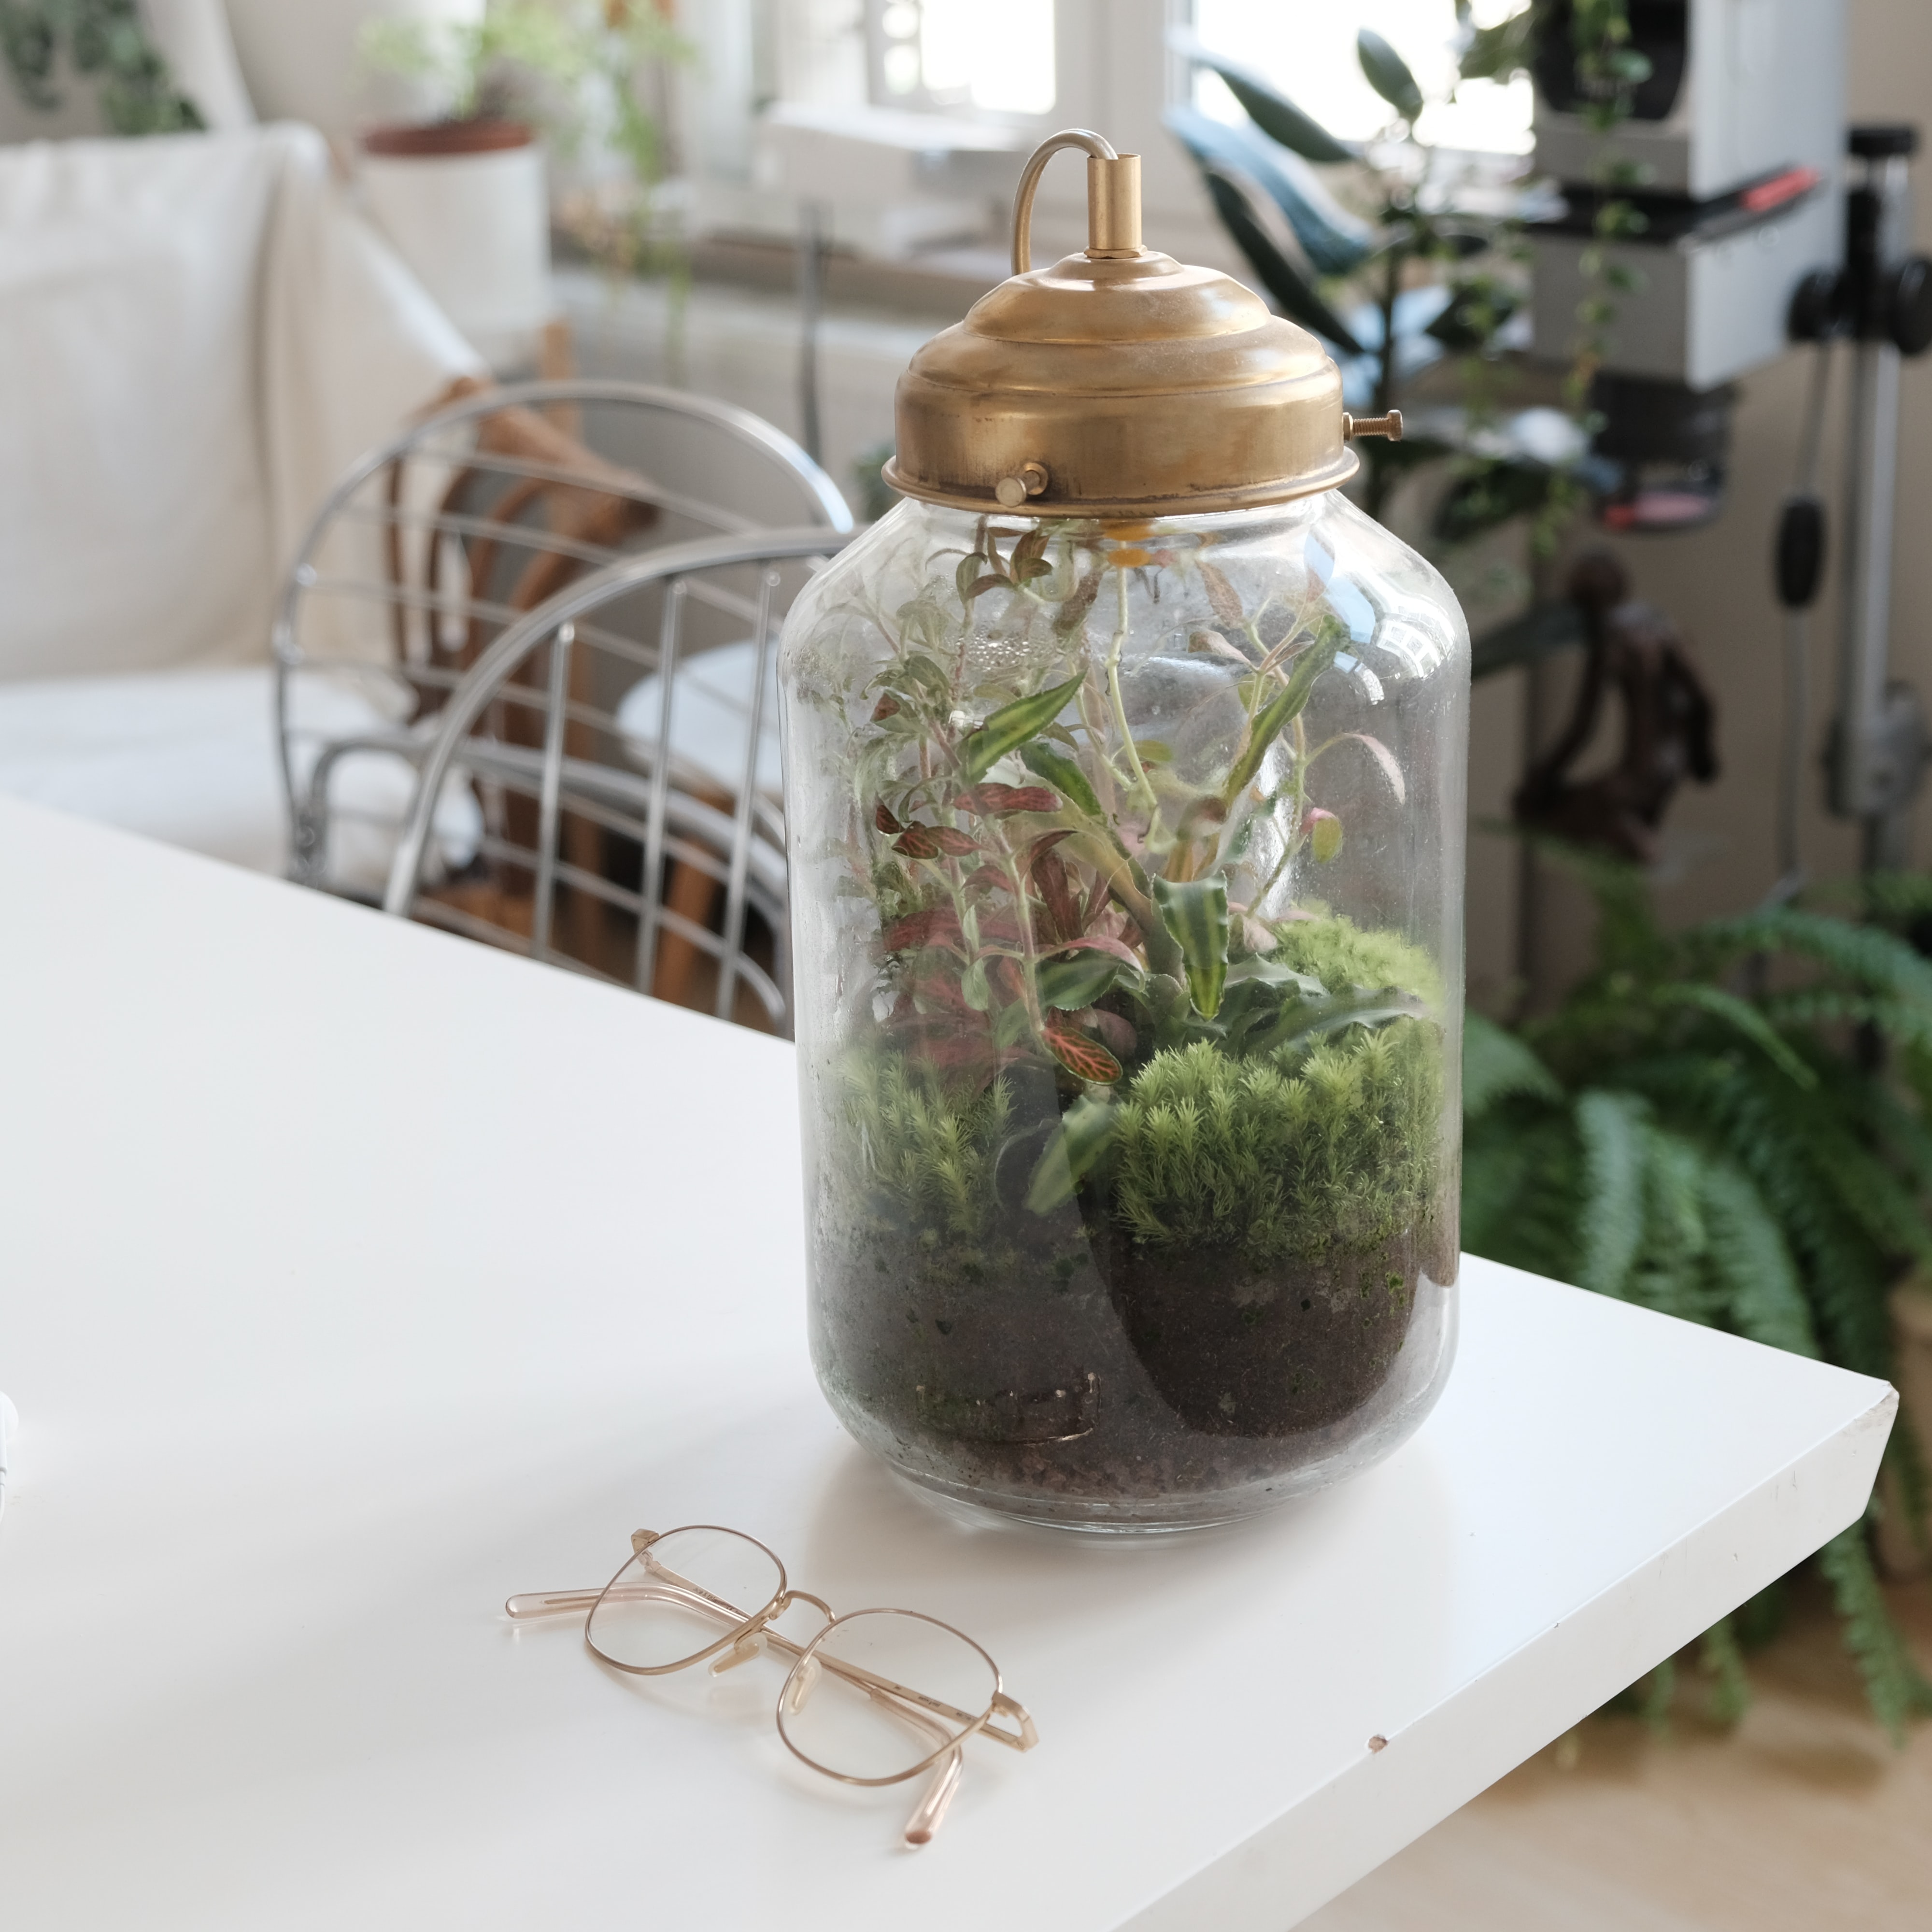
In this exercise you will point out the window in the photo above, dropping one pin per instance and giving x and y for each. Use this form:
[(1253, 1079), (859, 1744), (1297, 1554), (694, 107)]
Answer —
[(1307, 48), (995, 56)]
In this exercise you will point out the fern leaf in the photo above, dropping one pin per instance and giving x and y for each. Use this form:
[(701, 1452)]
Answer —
[(1610, 1230), (1743, 1018), (1864, 954), (1752, 1266), (1658, 1693), (1720, 1659), (1894, 1687), (1497, 1065)]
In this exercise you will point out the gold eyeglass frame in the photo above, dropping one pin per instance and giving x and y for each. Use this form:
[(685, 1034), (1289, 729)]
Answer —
[(750, 1635)]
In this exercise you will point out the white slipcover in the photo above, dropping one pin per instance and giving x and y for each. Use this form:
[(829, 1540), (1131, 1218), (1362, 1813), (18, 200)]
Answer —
[(198, 334)]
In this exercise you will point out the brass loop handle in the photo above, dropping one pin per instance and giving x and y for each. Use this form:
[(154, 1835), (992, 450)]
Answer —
[(1096, 147)]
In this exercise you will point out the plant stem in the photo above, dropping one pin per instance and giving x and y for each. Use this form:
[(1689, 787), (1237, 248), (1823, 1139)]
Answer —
[(1121, 710)]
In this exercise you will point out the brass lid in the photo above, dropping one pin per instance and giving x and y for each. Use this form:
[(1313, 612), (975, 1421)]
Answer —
[(1118, 383)]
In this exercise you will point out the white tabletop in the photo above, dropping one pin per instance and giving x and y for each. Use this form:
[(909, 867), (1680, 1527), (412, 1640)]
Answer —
[(355, 1276)]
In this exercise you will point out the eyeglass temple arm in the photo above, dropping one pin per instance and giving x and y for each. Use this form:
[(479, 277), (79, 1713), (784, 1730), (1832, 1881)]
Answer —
[(929, 1813), (559, 1603)]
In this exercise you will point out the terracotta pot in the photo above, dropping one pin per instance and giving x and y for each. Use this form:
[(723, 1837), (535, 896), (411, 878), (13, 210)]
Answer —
[(449, 137)]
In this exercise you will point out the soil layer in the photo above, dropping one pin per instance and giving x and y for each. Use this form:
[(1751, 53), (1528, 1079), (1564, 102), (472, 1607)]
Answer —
[(1071, 1367)]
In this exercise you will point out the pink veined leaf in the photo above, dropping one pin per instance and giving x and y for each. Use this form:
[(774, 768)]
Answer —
[(885, 821), (930, 926), (1384, 758), (1046, 842), (1059, 903), (888, 707), (933, 841), (988, 878), (1086, 1059), (994, 800)]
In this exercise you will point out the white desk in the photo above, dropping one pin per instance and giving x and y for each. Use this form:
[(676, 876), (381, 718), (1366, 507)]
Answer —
[(355, 1276)]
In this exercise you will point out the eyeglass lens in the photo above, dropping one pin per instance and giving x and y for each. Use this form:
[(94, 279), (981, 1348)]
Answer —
[(678, 1596), (838, 1712)]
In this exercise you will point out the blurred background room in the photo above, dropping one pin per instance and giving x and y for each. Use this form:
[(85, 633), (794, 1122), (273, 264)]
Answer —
[(303, 303)]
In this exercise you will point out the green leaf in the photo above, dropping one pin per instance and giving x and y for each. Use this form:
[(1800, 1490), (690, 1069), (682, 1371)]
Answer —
[(1497, 1065), (1077, 1144), (1611, 1126), (1337, 242), (1752, 1263), (1388, 73), (1280, 711), (1324, 834), (1305, 1021), (1078, 981), (1293, 291), (1012, 1025), (1274, 114), (1743, 1018), (1010, 726), (1196, 914), (1721, 1659), (1063, 774), (916, 677), (1500, 52), (1894, 1686), (1272, 973), (973, 988)]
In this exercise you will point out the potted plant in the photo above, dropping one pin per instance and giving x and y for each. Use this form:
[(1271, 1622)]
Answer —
[(464, 193)]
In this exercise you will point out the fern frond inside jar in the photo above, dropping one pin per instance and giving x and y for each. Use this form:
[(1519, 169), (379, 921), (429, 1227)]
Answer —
[(1126, 774)]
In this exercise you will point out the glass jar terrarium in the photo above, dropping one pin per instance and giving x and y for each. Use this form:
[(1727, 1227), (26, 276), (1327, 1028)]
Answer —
[(1125, 767)]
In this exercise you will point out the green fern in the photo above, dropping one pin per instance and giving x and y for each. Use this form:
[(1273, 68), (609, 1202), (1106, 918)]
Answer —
[(1894, 1687), (1678, 1136)]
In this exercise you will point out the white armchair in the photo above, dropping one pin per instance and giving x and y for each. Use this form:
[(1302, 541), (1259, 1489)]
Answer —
[(198, 335)]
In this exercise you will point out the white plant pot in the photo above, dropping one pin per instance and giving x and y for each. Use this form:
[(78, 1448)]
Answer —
[(476, 229)]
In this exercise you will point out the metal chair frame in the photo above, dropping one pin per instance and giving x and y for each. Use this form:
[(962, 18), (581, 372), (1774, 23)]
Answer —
[(308, 804), (659, 805)]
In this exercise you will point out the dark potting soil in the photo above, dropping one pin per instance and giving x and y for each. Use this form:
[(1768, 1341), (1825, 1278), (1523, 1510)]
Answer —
[(1085, 1364)]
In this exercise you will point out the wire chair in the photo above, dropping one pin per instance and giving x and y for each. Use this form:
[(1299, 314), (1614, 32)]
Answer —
[(657, 860), (437, 543)]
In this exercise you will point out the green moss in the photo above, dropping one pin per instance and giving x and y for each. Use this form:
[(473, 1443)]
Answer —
[(1342, 954), (928, 1154), (1283, 1158), (1321, 1147)]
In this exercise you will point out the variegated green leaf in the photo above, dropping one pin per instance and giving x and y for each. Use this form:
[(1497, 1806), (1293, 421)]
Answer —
[(1012, 725), (1195, 915), (1076, 1145), (1061, 772)]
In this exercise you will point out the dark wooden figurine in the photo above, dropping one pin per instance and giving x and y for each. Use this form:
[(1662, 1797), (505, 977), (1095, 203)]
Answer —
[(1668, 719)]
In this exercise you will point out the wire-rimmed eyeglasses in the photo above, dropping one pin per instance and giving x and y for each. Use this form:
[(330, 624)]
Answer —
[(876, 1697)]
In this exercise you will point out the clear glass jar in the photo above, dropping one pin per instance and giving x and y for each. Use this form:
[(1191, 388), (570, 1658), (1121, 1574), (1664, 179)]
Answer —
[(1127, 886)]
